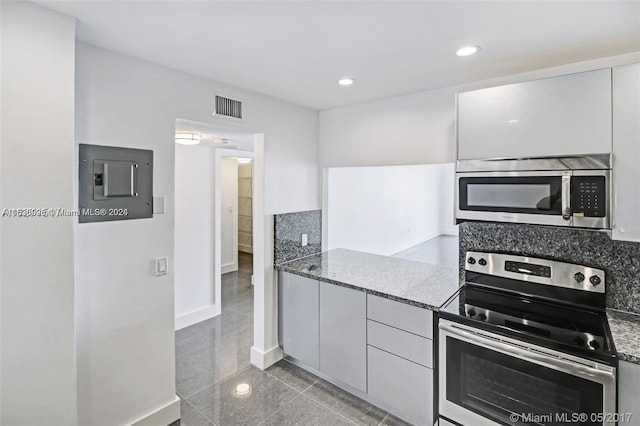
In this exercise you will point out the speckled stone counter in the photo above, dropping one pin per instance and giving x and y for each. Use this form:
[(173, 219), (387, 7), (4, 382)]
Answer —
[(625, 328), (415, 283)]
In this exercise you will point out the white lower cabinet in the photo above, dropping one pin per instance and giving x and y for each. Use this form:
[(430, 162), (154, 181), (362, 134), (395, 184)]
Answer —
[(629, 392), (343, 335), (379, 349), (299, 324), (401, 385)]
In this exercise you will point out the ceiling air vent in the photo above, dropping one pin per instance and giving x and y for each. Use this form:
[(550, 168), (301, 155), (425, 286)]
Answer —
[(227, 108)]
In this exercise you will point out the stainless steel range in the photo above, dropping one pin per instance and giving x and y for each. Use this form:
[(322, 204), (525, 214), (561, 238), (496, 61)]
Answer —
[(526, 342)]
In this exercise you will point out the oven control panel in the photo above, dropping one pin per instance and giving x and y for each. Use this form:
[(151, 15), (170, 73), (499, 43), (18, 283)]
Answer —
[(527, 268), (542, 271)]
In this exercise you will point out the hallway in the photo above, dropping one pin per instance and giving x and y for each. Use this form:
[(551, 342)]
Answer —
[(212, 350)]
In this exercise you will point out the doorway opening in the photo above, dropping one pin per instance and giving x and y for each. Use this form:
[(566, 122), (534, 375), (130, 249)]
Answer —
[(219, 243), (236, 202)]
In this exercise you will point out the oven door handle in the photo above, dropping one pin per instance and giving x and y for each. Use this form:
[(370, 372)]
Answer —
[(607, 378), (566, 196)]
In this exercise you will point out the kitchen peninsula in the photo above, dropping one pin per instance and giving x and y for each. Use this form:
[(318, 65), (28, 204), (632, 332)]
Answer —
[(365, 322)]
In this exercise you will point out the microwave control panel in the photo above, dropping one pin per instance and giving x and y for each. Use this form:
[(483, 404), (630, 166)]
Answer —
[(588, 196)]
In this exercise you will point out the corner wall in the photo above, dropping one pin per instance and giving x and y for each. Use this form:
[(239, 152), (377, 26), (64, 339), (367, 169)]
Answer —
[(37, 346), (125, 323), (194, 229)]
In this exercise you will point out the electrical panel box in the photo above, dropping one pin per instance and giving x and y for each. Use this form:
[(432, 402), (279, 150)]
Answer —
[(115, 183)]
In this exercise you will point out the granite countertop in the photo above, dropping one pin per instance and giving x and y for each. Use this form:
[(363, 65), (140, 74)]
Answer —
[(415, 283), (624, 328)]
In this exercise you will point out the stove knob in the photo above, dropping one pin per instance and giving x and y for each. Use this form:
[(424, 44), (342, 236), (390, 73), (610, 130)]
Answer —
[(578, 276), (471, 313), (578, 341), (482, 317), (594, 344), (595, 280), (482, 262), (471, 261)]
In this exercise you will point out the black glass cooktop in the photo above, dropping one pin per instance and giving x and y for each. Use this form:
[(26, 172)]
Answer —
[(581, 332)]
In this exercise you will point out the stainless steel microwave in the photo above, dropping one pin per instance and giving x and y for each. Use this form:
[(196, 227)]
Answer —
[(559, 191)]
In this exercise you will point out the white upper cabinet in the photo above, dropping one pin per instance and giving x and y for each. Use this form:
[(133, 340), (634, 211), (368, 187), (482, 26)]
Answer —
[(626, 152), (564, 115)]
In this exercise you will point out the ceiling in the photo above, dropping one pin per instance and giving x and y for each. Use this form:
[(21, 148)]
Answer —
[(297, 50)]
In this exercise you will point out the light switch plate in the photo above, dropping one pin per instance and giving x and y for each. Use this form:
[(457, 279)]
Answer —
[(304, 240), (162, 266), (159, 205)]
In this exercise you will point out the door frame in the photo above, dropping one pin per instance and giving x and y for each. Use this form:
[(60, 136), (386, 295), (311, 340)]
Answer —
[(233, 266)]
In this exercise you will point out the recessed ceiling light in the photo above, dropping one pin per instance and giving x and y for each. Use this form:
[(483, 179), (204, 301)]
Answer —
[(346, 81), (188, 138), (467, 50), (244, 160)]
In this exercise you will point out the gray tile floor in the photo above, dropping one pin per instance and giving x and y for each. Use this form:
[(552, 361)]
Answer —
[(212, 359)]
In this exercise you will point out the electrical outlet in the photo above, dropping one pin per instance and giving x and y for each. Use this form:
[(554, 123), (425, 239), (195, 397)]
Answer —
[(304, 240)]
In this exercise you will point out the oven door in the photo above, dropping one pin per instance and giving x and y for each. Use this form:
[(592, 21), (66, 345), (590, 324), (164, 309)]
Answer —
[(541, 197), (488, 379)]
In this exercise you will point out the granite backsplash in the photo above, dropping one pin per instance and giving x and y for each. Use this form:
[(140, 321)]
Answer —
[(619, 259), (289, 228)]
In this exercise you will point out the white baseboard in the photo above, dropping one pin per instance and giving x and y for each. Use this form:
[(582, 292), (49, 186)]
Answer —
[(163, 416), (194, 317), (264, 360), (229, 267)]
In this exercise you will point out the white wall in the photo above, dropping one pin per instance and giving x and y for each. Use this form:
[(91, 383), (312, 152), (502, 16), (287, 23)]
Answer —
[(384, 210), (38, 353), (418, 128), (126, 353), (194, 215), (229, 214), (412, 129)]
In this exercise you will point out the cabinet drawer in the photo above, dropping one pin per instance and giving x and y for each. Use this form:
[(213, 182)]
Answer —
[(406, 388), (400, 315), (406, 345)]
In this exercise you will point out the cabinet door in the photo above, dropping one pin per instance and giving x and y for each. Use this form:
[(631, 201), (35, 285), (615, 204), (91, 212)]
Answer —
[(626, 152), (406, 388), (300, 318), (629, 392), (564, 115), (343, 335)]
